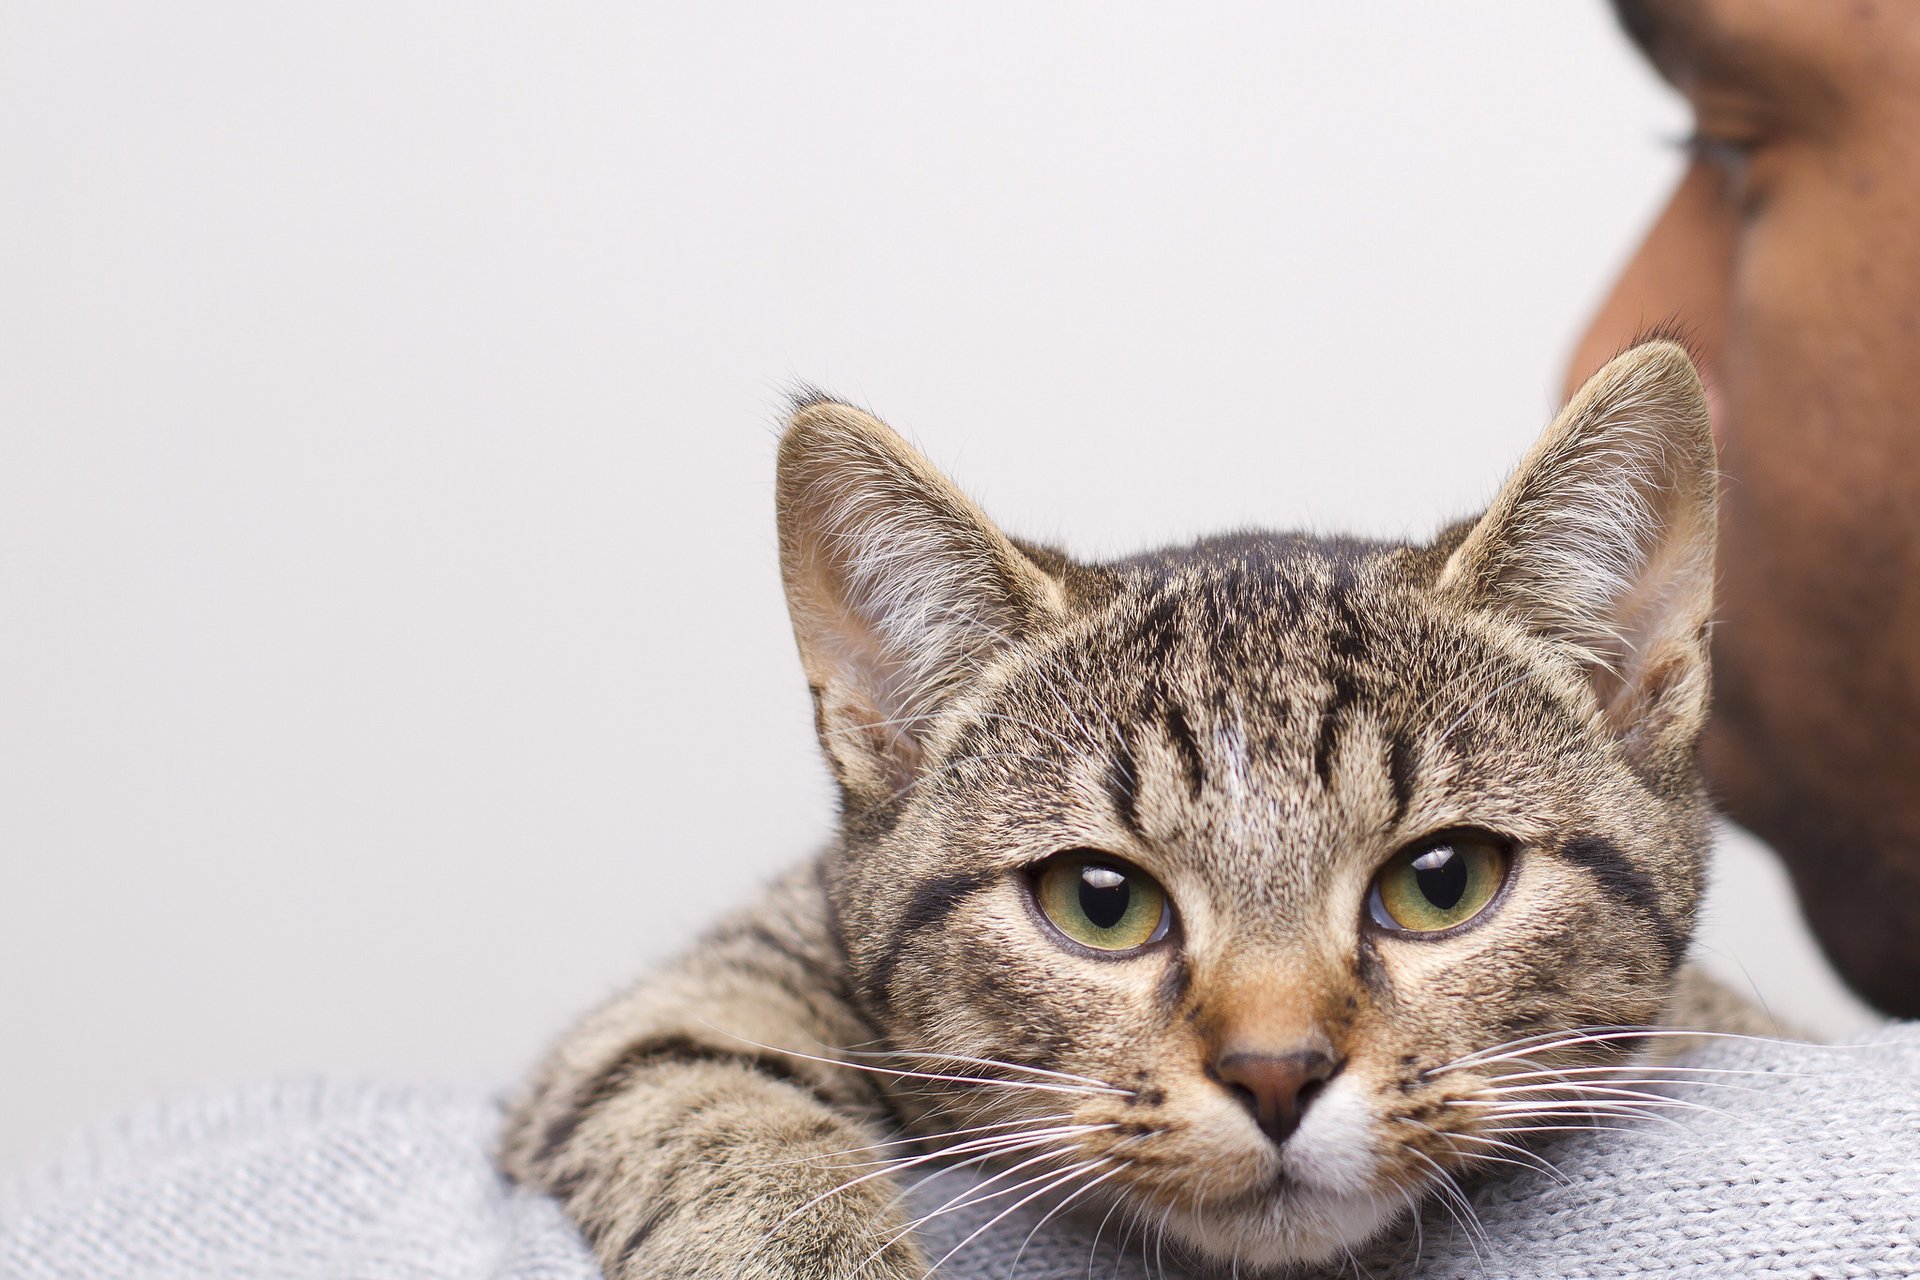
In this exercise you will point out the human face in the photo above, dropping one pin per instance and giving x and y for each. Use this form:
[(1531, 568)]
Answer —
[(1790, 251)]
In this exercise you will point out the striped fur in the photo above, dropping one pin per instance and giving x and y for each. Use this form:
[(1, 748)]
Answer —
[(1257, 720)]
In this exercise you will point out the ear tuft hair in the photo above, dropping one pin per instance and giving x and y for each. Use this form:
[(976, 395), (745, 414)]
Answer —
[(1603, 541), (900, 588)]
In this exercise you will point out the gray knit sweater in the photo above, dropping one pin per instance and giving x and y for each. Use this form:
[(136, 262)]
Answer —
[(1811, 1168)]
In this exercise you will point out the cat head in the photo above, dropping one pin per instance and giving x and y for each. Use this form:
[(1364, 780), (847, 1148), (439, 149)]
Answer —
[(1234, 871)]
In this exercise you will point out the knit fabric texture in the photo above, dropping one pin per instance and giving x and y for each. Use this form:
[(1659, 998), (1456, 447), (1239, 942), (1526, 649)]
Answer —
[(1809, 1167)]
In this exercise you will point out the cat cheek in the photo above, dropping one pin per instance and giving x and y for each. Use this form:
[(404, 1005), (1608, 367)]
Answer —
[(1334, 1149)]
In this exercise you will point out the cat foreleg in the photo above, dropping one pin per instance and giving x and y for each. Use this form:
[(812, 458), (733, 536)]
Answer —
[(689, 1129)]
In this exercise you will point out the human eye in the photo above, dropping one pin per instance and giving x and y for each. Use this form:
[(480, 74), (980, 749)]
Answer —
[(1729, 156), (1727, 144)]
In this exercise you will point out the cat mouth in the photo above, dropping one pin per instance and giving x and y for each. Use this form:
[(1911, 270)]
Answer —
[(1279, 1222), (1277, 1188)]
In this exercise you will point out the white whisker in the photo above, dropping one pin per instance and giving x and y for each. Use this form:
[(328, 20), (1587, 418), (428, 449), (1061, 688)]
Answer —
[(1419, 1229), (1540, 1163), (1595, 1127), (1583, 1092), (978, 1193), (1453, 1199), (1014, 1266), (1093, 1250), (1010, 1144), (1616, 1111), (1574, 1037), (1549, 1072), (1531, 1163), (1035, 1085), (1634, 1099), (1068, 1176), (917, 1140), (979, 1062)]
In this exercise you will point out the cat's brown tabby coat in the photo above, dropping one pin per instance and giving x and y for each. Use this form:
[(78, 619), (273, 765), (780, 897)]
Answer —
[(1258, 886)]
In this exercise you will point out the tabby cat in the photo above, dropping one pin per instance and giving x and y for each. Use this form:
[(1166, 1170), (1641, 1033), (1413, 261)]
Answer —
[(1259, 885)]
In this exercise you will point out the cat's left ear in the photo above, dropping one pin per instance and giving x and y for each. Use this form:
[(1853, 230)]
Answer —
[(1603, 540), (901, 590)]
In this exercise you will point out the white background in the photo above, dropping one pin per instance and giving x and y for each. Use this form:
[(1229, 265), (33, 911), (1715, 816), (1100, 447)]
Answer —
[(394, 659)]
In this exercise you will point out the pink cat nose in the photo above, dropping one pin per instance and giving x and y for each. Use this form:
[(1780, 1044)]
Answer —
[(1276, 1087)]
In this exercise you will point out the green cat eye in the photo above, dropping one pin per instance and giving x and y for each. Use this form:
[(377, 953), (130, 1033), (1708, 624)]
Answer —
[(1101, 902), (1440, 883)]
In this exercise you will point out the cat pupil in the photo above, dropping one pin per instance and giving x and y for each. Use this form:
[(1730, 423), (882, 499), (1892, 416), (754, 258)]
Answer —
[(1104, 895), (1442, 876)]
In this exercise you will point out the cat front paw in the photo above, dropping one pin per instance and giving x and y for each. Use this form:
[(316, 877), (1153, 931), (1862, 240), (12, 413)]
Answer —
[(815, 1227)]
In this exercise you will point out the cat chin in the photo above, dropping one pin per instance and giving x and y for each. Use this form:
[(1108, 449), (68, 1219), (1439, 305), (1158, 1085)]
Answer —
[(1297, 1227)]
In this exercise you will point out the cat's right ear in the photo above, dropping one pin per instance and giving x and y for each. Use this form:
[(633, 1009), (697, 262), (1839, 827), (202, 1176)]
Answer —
[(900, 589)]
